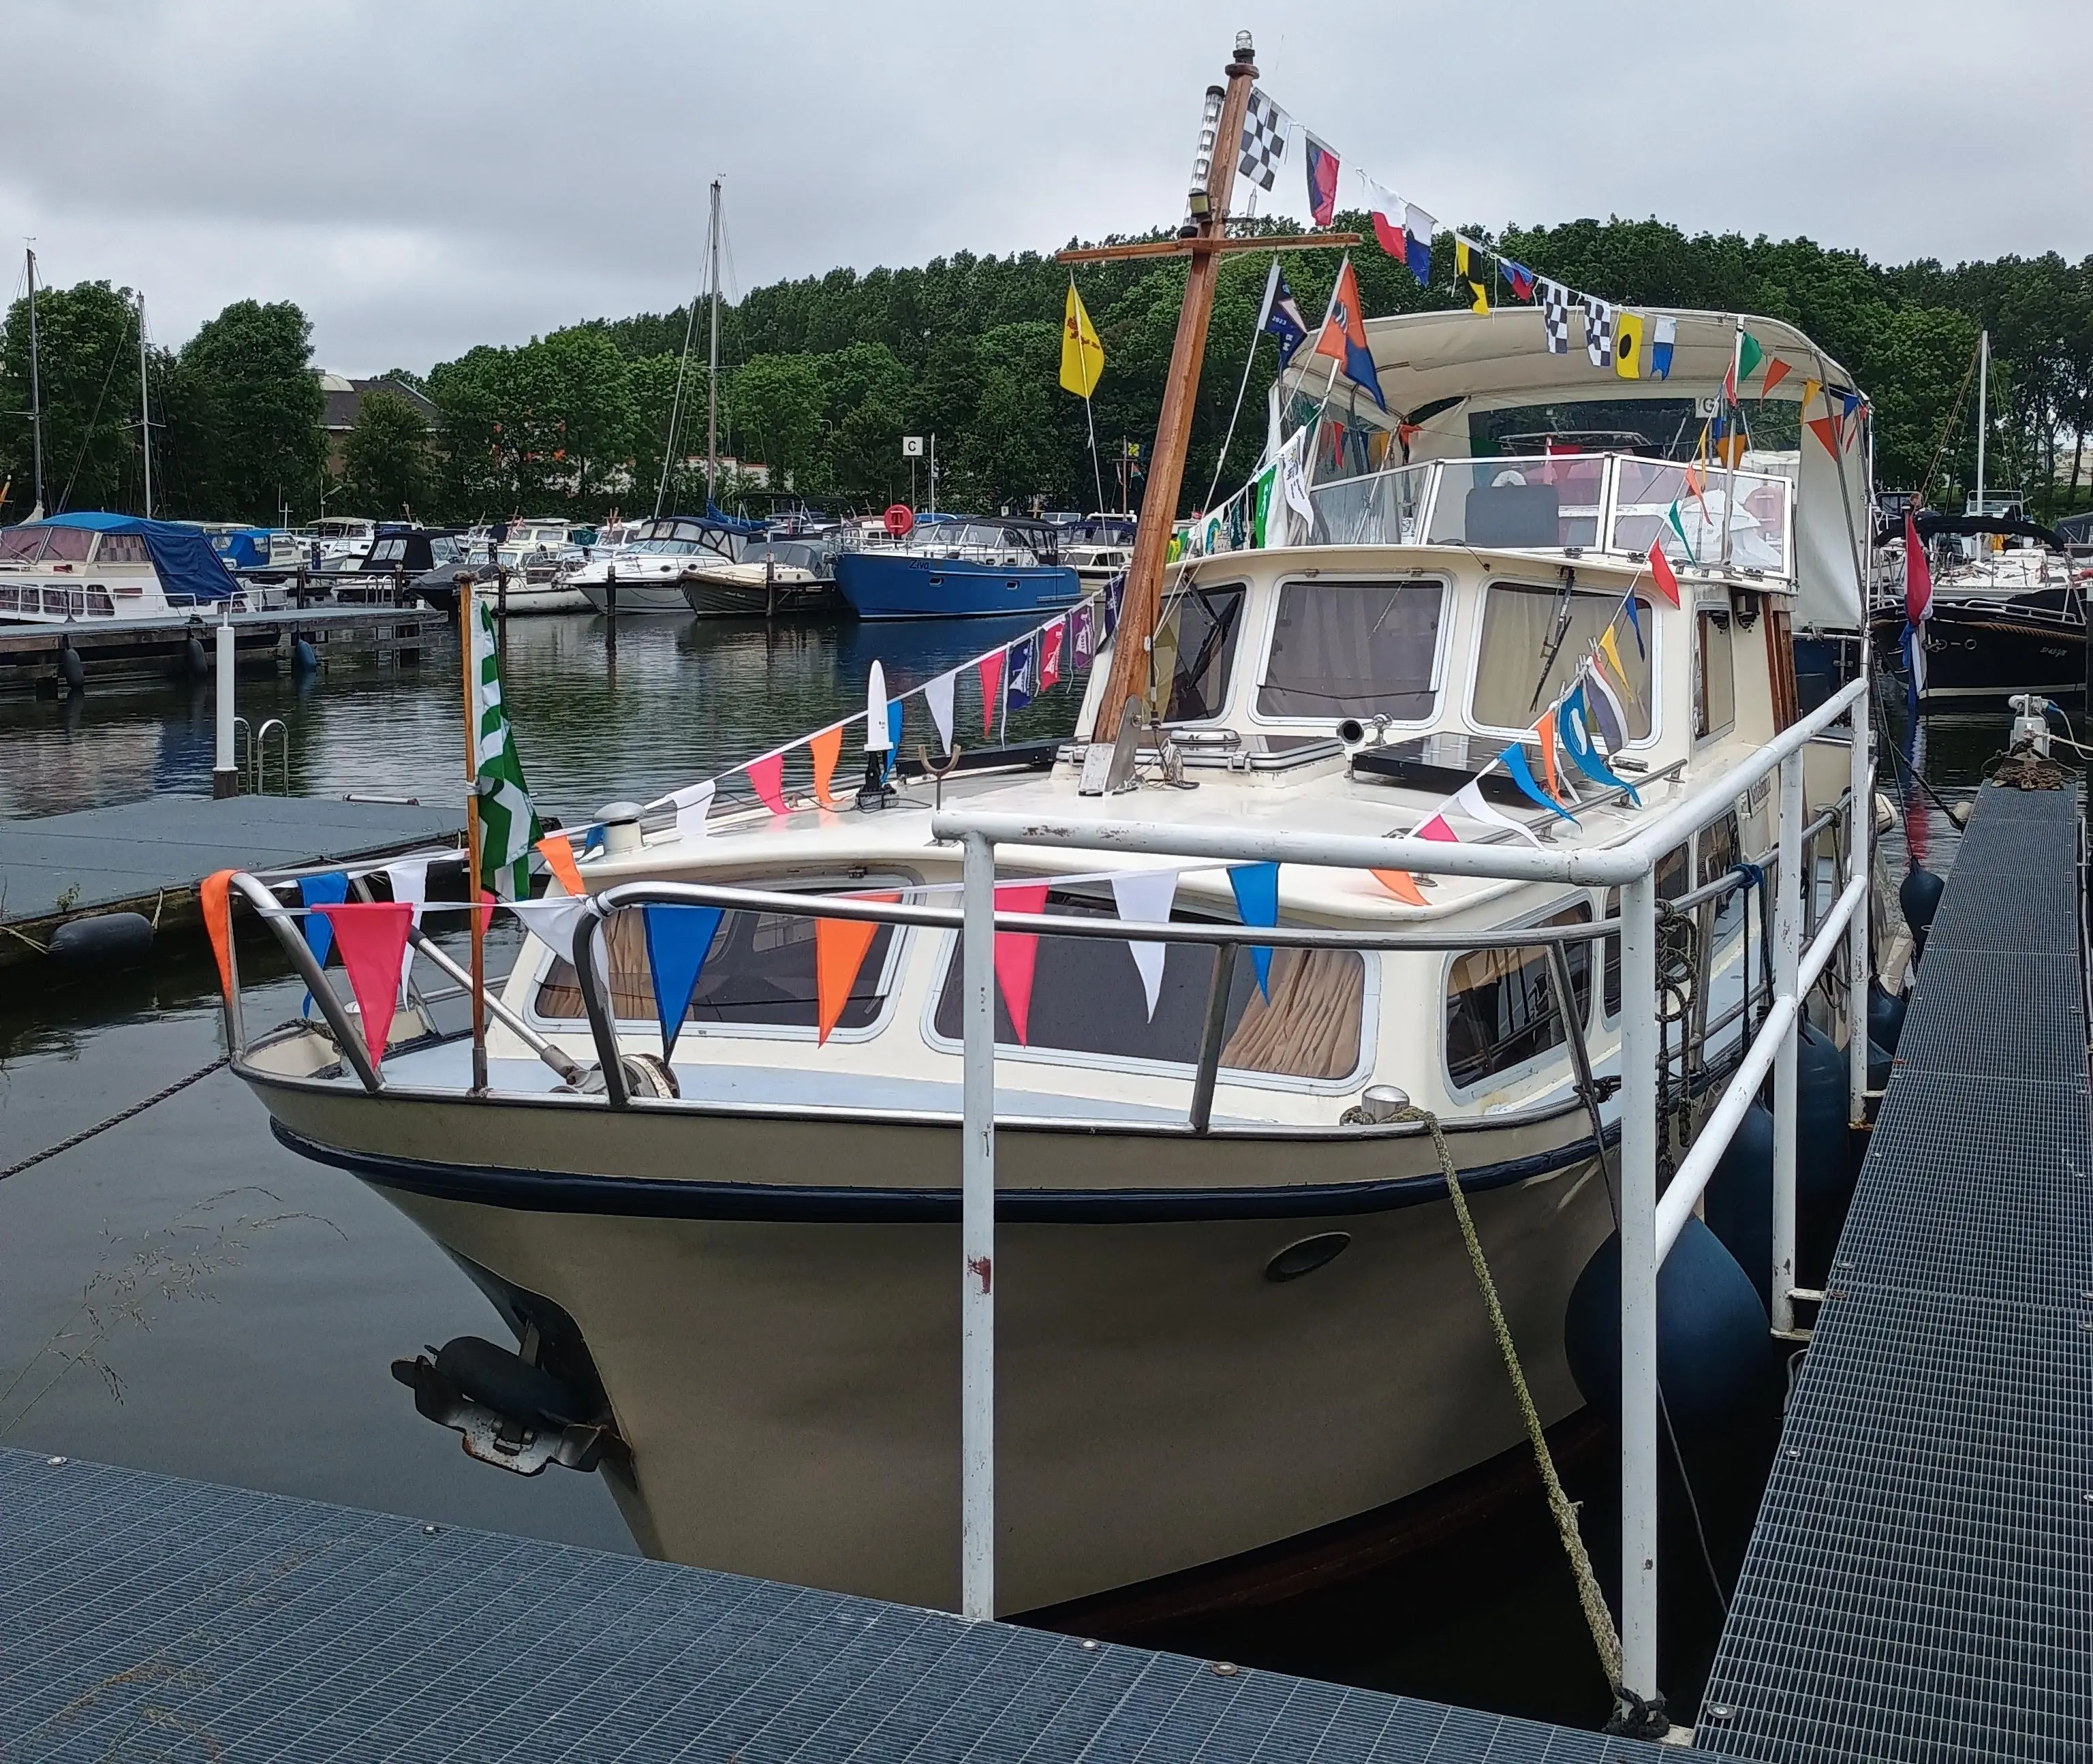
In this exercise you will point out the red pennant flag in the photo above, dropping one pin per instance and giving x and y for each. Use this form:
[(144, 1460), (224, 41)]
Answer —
[(1050, 653), (827, 747), (1826, 429), (558, 852), (372, 936), (1017, 953), (1661, 571), (1777, 371), (991, 669), (1545, 729), (840, 948), (1917, 575), (214, 893), (767, 776), (1437, 829)]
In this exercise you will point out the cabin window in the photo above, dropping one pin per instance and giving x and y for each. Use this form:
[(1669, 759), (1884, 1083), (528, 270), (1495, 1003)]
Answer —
[(1196, 641), (388, 551), (1715, 682), (1502, 1010), (760, 972), (68, 544), (1670, 884), (123, 548), (1534, 640), (1087, 998), (1354, 649), (20, 544)]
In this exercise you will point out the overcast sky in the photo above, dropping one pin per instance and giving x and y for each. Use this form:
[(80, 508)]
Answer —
[(423, 174)]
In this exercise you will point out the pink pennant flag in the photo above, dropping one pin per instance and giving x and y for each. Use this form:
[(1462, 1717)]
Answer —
[(1437, 829), (1050, 641), (371, 935), (1017, 953), (767, 776), (990, 668)]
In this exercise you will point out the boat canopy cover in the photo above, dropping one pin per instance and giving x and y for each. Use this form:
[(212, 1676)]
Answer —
[(182, 555), (2077, 530), (1932, 526), (727, 522), (1437, 370)]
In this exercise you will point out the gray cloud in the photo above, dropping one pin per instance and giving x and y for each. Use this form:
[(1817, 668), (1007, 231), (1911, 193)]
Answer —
[(423, 177)]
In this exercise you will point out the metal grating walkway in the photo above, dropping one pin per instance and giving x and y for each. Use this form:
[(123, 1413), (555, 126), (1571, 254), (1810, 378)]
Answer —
[(1920, 1584), (150, 1618)]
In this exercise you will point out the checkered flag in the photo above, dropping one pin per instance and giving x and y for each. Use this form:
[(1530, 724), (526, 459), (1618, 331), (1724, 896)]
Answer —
[(1263, 140), (1555, 317), (1599, 331)]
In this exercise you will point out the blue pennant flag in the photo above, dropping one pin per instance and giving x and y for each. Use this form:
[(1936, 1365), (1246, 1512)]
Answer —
[(1607, 713), (1572, 724), (1514, 762), (1256, 888), (1280, 314), (893, 740), (1634, 623), (327, 890), (679, 939), (1017, 677)]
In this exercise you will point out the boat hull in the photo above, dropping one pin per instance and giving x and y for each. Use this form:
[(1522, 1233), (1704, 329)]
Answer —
[(665, 597), (906, 585), (1988, 648), (782, 1360)]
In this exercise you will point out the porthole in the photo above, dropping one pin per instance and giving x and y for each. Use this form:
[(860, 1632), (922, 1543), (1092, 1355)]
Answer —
[(1307, 1255)]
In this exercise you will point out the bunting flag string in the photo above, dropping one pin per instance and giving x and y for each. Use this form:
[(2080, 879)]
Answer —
[(678, 940), (1144, 897), (320, 891), (371, 935), (558, 852), (826, 746), (938, 695), (409, 882), (840, 946), (1256, 889), (1017, 954)]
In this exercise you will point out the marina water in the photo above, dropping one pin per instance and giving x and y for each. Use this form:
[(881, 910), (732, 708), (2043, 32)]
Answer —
[(184, 1295)]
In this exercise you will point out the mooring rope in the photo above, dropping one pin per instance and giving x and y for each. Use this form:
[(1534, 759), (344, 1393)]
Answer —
[(1598, 1618), (117, 1120)]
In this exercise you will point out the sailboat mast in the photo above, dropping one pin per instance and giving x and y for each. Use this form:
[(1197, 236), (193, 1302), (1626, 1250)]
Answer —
[(36, 387), (1983, 408), (144, 407), (712, 375)]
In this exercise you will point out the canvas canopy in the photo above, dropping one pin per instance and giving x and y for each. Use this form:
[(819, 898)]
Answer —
[(182, 555), (1439, 370)]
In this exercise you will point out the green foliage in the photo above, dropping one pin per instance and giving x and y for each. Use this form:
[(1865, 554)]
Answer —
[(386, 467), (247, 426), (87, 358)]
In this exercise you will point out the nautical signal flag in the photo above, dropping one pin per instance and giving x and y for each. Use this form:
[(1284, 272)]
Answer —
[(1663, 336), (1322, 167), (1471, 275), (1662, 574), (1343, 337), (1280, 314), (1521, 278), (1082, 355), (1627, 344)]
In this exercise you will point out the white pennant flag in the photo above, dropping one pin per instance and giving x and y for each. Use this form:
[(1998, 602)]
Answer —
[(1469, 798), (552, 920), (1144, 897), (877, 740), (410, 883), (693, 803), (938, 694)]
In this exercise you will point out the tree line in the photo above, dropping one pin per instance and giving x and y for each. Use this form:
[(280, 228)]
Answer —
[(828, 373)]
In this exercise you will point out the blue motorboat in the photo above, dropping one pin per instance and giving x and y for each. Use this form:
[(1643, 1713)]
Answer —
[(983, 567)]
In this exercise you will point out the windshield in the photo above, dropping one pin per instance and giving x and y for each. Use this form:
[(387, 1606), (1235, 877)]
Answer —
[(20, 544), (1354, 649)]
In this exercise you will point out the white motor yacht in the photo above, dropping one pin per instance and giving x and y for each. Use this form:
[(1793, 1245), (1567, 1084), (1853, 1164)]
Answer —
[(1234, 1308), (650, 569), (108, 569)]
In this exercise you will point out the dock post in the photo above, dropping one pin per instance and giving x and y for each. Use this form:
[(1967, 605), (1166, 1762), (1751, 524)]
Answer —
[(1859, 863), (1787, 968), (224, 774), (977, 1236), (1638, 1231)]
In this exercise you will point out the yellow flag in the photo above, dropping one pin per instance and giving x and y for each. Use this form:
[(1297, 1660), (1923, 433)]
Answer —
[(1613, 653), (1810, 388), (1469, 272), (1082, 356), (1627, 344)]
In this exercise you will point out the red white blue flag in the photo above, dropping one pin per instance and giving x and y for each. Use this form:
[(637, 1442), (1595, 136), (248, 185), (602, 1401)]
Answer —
[(1322, 164)]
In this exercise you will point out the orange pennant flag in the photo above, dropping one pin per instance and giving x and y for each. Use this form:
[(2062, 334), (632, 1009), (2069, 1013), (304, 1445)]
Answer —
[(558, 852), (1776, 371), (1398, 883), (839, 950), (826, 747), (1545, 729), (214, 895), (1826, 429)]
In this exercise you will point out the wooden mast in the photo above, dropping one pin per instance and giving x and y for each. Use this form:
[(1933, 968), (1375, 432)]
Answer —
[(1139, 605)]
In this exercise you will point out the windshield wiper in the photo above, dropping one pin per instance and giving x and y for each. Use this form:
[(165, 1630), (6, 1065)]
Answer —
[(1563, 610)]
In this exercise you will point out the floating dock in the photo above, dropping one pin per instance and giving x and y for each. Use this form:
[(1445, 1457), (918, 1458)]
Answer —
[(1920, 1583), (151, 1617), (179, 647), (147, 857)]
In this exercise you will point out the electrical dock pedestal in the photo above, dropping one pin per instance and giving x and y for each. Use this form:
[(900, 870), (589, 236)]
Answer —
[(1920, 1583)]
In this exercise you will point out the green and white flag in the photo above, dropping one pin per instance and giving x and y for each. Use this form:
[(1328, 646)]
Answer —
[(508, 823)]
